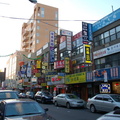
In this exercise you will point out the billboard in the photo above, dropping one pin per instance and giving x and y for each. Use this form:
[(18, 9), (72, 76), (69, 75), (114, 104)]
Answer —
[(105, 74), (112, 17)]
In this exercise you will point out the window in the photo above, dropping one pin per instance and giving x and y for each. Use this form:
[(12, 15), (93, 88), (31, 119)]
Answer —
[(106, 34), (106, 98), (107, 40), (56, 25), (38, 21), (56, 15), (37, 34), (37, 41), (112, 31), (113, 37), (98, 97), (118, 35), (42, 12), (118, 29), (38, 27)]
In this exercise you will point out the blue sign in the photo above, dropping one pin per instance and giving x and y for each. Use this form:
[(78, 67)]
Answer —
[(103, 74), (112, 17), (105, 88)]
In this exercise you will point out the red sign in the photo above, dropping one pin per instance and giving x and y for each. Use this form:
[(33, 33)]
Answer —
[(55, 79), (77, 36), (62, 39), (59, 64)]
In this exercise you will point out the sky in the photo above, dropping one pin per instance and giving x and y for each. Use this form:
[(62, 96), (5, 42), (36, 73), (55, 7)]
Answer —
[(81, 10)]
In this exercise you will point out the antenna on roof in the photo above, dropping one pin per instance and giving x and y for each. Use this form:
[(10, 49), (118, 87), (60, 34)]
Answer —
[(112, 8)]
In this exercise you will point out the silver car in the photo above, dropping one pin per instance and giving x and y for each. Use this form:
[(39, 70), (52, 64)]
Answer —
[(114, 115), (68, 100), (104, 102)]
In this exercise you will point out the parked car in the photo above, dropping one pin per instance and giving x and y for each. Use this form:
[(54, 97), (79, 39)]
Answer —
[(22, 95), (23, 109), (43, 96), (69, 100), (30, 94), (114, 115), (104, 102), (8, 94)]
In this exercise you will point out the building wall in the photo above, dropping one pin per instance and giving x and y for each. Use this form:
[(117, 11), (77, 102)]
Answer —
[(45, 19)]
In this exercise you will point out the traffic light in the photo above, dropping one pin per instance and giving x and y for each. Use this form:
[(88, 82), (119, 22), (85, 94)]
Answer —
[(33, 1)]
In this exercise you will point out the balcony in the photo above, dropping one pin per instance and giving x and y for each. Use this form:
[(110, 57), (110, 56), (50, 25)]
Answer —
[(25, 45), (25, 39), (25, 33)]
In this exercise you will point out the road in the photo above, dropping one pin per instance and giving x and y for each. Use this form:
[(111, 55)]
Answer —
[(62, 113)]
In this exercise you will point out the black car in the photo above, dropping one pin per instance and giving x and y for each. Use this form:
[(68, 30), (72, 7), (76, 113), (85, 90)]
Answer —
[(22, 109), (30, 94), (43, 96)]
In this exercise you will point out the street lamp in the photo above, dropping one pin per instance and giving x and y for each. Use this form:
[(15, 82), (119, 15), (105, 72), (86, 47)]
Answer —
[(33, 1)]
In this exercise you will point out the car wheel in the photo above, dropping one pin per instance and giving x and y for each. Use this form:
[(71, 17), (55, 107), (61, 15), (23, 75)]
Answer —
[(68, 105), (92, 109), (116, 108), (56, 104)]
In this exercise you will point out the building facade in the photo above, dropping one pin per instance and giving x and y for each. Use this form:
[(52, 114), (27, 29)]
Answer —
[(35, 33)]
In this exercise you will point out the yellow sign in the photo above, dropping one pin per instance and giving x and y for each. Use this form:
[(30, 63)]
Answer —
[(38, 64), (43, 84), (87, 54), (67, 65), (75, 78)]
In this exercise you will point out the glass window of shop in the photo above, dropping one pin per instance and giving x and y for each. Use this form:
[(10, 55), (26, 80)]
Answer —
[(116, 87), (108, 61), (107, 36), (78, 51)]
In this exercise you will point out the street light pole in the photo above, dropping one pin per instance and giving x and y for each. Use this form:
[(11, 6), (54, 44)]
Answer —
[(33, 1)]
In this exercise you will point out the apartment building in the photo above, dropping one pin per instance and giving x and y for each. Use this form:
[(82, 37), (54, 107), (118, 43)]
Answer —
[(35, 33)]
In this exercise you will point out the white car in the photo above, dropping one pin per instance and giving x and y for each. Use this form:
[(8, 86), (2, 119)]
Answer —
[(69, 100), (114, 115), (104, 102)]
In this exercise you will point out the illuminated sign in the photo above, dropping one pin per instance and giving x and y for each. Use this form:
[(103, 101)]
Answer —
[(87, 54), (105, 88)]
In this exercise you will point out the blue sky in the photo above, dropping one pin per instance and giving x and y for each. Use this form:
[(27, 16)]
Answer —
[(10, 29)]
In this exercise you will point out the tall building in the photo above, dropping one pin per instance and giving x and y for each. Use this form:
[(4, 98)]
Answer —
[(35, 33)]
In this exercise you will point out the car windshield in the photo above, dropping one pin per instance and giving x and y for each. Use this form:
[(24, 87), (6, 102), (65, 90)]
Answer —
[(116, 97), (8, 95), (70, 96), (23, 108), (47, 93)]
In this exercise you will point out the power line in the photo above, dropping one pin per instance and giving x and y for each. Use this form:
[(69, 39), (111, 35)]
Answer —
[(43, 19)]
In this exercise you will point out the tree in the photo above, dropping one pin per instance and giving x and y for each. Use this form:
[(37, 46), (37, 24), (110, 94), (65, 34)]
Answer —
[(33, 1)]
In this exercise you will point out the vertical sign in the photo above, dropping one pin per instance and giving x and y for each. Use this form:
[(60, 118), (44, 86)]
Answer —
[(86, 32), (52, 39), (67, 65), (69, 46), (29, 69), (87, 55)]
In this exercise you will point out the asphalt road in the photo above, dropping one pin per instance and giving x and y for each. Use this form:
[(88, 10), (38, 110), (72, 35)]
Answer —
[(62, 113)]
